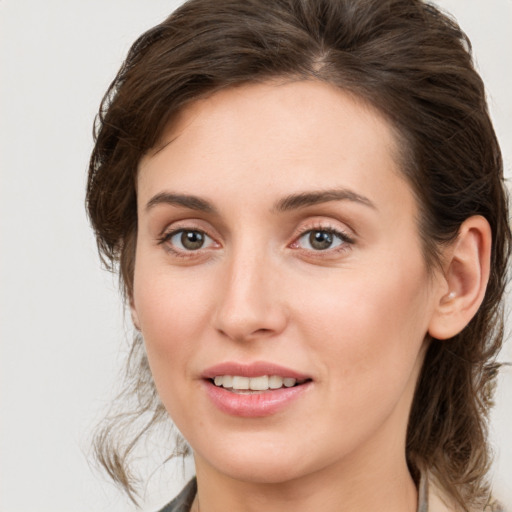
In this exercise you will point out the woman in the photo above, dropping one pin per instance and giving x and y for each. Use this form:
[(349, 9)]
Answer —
[(305, 199)]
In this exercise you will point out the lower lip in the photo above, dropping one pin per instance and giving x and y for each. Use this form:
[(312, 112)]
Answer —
[(255, 405)]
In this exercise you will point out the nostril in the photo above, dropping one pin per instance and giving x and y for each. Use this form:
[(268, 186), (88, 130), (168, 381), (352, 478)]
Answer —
[(241, 335)]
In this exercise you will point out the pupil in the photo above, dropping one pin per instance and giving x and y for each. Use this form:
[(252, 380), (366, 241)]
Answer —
[(320, 240), (192, 239)]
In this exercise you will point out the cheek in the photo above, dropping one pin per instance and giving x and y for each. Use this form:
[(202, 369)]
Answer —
[(370, 327), (168, 301), (172, 317)]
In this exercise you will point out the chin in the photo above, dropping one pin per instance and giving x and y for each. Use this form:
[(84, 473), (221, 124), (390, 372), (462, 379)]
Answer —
[(267, 470), (261, 461)]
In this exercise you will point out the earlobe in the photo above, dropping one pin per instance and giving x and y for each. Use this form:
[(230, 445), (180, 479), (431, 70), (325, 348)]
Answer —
[(466, 273)]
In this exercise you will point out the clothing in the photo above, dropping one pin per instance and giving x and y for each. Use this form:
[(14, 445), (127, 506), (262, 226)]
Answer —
[(428, 499), (183, 501)]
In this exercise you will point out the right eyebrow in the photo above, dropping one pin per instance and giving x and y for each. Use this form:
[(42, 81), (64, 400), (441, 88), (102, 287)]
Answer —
[(188, 201)]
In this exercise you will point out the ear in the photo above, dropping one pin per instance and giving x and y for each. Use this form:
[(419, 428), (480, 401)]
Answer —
[(134, 315), (465, 276)]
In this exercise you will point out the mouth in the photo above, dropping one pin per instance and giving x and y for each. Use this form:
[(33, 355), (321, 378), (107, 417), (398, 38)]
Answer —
[(252, 385), (254, 390)]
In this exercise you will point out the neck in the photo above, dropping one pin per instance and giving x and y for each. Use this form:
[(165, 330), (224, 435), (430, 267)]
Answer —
[(366, 488)]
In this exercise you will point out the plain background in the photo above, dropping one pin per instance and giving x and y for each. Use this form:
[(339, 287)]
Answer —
[(63, 330)]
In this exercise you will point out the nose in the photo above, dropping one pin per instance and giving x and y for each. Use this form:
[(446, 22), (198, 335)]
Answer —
[(250, 304)]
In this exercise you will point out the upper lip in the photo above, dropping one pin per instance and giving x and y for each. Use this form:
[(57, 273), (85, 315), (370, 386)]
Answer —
[(255, 369)]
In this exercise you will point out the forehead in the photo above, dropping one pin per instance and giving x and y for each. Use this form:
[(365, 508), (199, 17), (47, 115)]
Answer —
[(274, 137)]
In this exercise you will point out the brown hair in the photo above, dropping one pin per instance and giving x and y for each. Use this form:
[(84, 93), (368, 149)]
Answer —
[(414, 65)]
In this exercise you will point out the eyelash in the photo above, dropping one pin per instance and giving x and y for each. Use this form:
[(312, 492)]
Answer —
[(346, 240), (166, 237)]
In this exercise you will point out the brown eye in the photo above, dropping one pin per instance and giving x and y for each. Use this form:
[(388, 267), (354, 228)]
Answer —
[(192, 240), (189, 240), (322, 239)]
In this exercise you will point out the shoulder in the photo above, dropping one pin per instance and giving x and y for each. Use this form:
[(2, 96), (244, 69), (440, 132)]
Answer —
[(183, 501)]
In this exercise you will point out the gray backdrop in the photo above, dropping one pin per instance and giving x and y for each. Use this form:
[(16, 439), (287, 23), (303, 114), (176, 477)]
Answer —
[(63, 332)]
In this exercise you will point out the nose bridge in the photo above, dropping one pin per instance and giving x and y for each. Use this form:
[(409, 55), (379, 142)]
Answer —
[(249, 303)]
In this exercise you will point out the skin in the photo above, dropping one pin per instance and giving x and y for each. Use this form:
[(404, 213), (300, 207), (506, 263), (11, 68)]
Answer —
[(353, 317)]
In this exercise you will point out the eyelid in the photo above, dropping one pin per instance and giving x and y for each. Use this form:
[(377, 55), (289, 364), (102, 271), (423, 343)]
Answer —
[(188, 224), (326, 226), (171, 234)]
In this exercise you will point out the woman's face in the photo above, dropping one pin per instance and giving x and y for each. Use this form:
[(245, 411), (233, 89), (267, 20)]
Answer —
[(277, 238)]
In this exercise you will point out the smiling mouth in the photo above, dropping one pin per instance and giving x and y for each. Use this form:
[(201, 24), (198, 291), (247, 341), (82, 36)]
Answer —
[(251, 385)]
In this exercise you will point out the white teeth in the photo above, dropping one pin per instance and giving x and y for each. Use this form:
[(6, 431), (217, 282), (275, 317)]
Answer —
[(258, 383), (289, 382), (275, 382), (240, 382), (262, 383), (227, 381)]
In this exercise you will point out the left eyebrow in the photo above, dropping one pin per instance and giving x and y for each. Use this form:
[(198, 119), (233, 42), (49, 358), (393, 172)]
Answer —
[(304, 199)]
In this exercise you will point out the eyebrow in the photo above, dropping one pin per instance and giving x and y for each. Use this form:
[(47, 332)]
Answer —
[(304, 199), (291, 202), (188, 201)]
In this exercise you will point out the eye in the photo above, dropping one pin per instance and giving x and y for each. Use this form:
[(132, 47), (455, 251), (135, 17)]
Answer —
[(321, 239), (188, 240)]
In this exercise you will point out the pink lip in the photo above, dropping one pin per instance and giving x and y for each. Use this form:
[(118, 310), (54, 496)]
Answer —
[(256, 369), (264, 403)]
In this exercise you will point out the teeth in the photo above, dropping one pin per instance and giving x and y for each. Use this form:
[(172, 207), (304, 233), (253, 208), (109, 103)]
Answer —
[(240, 383), (262, 383), (289, 382), (258, 383), (275, 382)]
